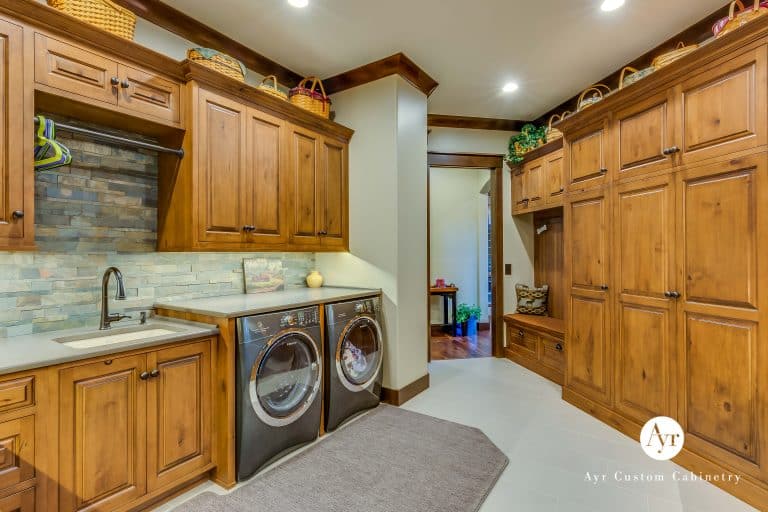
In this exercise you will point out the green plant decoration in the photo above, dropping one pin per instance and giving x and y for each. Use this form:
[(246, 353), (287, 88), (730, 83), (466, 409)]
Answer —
[(530, 137), (464, 312)]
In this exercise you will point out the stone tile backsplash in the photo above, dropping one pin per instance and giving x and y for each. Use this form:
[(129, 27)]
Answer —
[(98, 212)]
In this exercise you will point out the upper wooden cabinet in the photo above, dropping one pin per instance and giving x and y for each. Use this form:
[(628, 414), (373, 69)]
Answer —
[(587, 156), (17, 214), (537, 184), (83, 74), (553, 173), (253, 181)]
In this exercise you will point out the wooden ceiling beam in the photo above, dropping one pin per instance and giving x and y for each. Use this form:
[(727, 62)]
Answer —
[(189, 28), (475, 123), (397, 64)]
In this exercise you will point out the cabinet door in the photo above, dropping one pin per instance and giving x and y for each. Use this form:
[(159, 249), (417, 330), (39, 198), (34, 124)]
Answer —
[(724, 107), (221, 169), (644, 137), (77, 71), (553, 179), (643, 252), (534, 183), (589, 362), (178, 413), (266, 180), (519, 203), (304, 158), (23, 501), (149, 94), (586, 154), (333, 192), (722, 312), (17, 451), (16, 224), (102, 434)]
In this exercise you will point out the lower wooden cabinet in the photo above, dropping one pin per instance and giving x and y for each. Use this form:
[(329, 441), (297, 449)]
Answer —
[(23, 501), (133, 425), (537, 342)]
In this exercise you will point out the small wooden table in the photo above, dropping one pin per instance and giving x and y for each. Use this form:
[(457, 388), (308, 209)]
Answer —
[(447, 292)]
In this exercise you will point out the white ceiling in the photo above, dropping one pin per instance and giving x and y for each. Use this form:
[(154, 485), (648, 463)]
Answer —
[(552, 48)]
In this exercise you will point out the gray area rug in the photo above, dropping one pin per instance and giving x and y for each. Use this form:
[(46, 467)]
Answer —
[(391, 460)]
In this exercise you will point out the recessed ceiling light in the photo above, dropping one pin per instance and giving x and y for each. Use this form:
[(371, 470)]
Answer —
[(299, 3), (611, 5), (510, 87)]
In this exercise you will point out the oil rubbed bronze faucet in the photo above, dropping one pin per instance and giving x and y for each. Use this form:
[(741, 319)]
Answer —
[(106, 318)]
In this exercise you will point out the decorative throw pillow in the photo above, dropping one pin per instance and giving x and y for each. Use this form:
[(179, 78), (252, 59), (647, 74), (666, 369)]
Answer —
[(532, 301)]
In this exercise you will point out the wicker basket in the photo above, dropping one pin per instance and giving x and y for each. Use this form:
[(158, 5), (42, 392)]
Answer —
[(592, 95), (633, 76), (219, 62), (273, 89), (101, 13), (310, 99), (552, 132), (668, 58), (737, 19)]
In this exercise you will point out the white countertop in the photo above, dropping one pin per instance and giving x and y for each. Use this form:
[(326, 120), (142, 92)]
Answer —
[(39, 350), (234, 306)]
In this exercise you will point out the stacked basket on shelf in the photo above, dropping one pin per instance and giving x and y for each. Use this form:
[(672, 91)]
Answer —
[(101, 13), (219, 62), (310, 98)]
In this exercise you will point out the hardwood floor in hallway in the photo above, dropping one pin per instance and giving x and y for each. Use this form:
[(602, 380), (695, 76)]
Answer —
[(444, 346)]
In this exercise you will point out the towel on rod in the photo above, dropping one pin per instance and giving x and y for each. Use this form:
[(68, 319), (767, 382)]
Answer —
[(49, 154)]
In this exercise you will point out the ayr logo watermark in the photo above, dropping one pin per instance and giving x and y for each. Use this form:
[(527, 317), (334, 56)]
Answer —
[(662, 438)]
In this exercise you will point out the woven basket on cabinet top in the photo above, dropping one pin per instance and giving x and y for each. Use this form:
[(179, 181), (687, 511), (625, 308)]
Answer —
[(273, 89), (668, 58), (735, 19), (552, 132), (219, 62), (101, 13), (310, 99)]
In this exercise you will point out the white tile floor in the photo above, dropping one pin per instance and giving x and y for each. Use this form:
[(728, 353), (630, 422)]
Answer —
[(551, 446)]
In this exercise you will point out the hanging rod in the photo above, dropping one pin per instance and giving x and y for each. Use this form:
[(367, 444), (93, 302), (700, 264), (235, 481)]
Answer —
[(108, 137)]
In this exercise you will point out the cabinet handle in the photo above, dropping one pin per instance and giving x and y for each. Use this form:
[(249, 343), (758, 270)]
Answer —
[(249, 229), (154, 373), (108, 362), (125, 84), (603, 171), (535, 198), (114, 81), (671, 151), (520, 333), (668, 294), (322, 233), (674, 295), (144, 375), (603, 287), (559, 347), (17, 214)]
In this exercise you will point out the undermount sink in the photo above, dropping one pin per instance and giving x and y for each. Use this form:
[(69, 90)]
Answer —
[(123, 335)]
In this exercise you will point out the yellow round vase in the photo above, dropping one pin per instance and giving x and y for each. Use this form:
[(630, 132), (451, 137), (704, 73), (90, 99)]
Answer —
[(315, 279)]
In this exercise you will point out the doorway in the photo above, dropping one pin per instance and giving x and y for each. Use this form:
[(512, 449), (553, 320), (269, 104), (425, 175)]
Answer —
[(464, 254)]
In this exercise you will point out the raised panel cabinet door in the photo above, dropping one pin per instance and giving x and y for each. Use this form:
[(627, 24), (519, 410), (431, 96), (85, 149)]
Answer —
[(148, 94), (553, 179), (77, 71), (518, 191), (334, 199), (588, 359), (15, 168), (305, 201), (23, 501), (267, 179), (221, 170), (534, 185), (724, 107), (102, 434), (723, 237), (17, 451), (586, 157), (644, 137), (178, 413), (587, 218), (645, 280)]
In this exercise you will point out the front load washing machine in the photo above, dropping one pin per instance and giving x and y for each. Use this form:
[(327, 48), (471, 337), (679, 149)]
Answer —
[(279, 375), (354, 347)]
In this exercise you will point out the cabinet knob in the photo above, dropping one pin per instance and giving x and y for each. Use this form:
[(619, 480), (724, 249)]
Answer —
[(17, 214), (671, 151), (249, 229), (108, 362), (114, 81), (668, 294), (603, 171), (322, 233), (674, 295), (125, 84), (144, 375), (603, 287), (154, 373), (520, 333), (559, 347), (535, 198)]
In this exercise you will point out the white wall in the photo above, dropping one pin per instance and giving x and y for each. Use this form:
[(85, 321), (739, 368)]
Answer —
[(459, 236), (518, 231), (387, 191)]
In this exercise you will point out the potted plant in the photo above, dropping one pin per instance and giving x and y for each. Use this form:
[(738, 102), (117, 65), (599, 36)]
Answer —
[(466, 317)]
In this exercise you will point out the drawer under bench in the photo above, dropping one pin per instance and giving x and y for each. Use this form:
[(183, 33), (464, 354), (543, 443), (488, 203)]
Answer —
[(538, 343)]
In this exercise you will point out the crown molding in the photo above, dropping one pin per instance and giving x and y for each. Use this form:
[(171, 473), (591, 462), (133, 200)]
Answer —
[(398, 64)]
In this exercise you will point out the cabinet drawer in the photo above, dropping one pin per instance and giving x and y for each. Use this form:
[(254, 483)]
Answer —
[(17, 452), (72, 69), (148, 94), (23, 501), (552, 352), (522, 341), (17, 393)]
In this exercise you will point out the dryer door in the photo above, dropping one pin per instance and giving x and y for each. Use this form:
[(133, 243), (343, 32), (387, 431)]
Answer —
[(285, 379), (359, 353)]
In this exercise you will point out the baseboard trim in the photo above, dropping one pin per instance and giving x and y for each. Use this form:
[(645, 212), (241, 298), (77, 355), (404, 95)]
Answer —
[(748, 489), (400, 396)]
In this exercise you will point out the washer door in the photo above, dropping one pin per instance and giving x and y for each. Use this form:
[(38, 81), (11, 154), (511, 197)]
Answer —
[(360, 353), (285, 379)]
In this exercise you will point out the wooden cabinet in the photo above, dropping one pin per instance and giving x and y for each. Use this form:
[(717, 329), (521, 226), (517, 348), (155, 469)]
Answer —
[(537, 342), (645, 282), (554, 167), (333, 194), (17, 451), (23, 501), (587, 156), (537, 184), (133, 425), (534, 183), (16, 172), (88, 75), (589, 362), (519, 204)]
